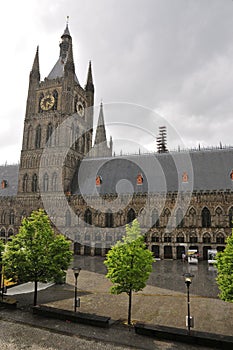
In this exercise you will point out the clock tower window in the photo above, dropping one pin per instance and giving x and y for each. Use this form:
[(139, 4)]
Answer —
[(34, 183), (40, 110), (55, 95), (38, 137)]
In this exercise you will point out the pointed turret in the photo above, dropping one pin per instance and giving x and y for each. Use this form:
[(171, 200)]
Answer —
[(35, 72), (100, 136), (89, 85), (69, 65)]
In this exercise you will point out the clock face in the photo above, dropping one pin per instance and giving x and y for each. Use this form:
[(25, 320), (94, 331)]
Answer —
[(80, 109), (47, 102)]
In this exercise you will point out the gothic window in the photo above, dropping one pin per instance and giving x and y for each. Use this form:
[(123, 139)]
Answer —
[(218, 216), (180, 238), (205, 217), (3, 217), (34, 183), (29, 137), (155, 238), (45, 182), (231, 217), (77, 138), (11, 218), (75, 103), (49, 135), (192, 238), (167, 238), (179, 218), (3, 232), (192, 217), (108, 219), (55, 95), (40, 110), (155, 218), (68, 219), (72, 135), (220, 238), (88, 217), (38, 137), (206, 238), (54, 182), (25, 183), (167, 215), (87, 237), (10, 233), (130, 215)]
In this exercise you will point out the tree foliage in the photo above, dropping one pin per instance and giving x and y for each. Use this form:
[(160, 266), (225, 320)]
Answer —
[(36, 253), (129, 264), (225, 271)]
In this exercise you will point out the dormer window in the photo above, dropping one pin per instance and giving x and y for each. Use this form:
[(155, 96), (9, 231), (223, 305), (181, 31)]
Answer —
[(139, 179), (4, 184)]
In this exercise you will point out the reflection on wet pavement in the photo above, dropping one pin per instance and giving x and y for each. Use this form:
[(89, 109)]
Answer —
[(167, 274)]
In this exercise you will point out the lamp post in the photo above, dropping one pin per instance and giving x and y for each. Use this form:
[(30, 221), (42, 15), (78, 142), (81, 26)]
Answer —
[(188, 280), (76, 274)]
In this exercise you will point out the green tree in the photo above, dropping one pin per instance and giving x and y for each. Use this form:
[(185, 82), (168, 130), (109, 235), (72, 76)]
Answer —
[(129, 264), (225, 271), (36, 253)]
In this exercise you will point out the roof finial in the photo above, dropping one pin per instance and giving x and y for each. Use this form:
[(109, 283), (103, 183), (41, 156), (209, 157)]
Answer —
[(67, 20)]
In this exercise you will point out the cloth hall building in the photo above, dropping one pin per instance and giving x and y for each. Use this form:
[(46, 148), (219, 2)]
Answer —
[(182, 200)]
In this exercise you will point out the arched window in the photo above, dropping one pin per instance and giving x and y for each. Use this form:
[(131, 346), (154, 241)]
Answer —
[(205, 217), (77, 138), (40, 110), (218, 217), (3, 233), (231, 217), (167, 215), (11, 218), (45, 182), (55, 95), (130, 215), (72, 135), (192, 217), (75, 103), (220, 239), (38, 137), (54, 182), (108, 219), (68, 219), (25, 183), (88, 217), (155, 218), (180, 238), (3, 217), (29, 137), (49, 135), (179, 218), (167, 238), (10, 233), (34, 183), (206, 238), (192, 238)]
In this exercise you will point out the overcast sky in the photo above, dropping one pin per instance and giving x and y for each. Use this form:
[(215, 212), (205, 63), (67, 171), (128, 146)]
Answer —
[(174, 57)]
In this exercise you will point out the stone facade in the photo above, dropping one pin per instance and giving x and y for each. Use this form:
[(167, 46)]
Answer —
[(58, 135)]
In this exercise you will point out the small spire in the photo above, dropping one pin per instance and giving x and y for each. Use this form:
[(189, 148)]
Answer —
[(100, 135), (66, 31), (89, 85), (35, 72)]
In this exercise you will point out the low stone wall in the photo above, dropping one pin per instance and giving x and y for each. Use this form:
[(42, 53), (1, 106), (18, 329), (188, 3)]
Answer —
[(66, 315), (177, 334)]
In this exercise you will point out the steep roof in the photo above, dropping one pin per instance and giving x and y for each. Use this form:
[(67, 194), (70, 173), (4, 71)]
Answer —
[(169, 172)]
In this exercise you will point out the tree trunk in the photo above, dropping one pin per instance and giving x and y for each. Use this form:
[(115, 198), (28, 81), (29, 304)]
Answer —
[(35, 292), (130, 306)]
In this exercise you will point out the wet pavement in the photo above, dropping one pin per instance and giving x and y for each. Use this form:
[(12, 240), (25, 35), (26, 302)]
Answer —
[(167, 274)]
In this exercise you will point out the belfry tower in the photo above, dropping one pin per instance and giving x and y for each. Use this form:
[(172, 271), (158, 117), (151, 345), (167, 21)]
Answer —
[(50, 103)]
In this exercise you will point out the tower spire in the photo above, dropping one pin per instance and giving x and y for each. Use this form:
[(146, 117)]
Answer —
[(89, 85), (69, 65), (35, 72), (100, 136)]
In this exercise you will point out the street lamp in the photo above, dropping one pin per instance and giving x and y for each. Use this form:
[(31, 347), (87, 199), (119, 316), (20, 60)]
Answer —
[(76, 274), (188, 280)]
